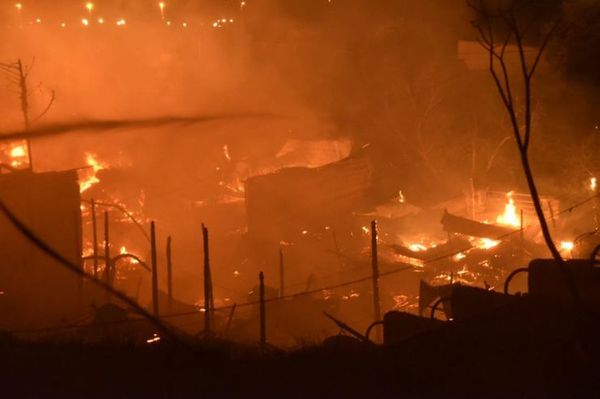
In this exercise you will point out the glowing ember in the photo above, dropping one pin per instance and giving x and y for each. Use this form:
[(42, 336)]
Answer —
[(401, 197), (593, 184), (19, 6), (121, 22), (567, 245), (486, 243), (155, 338), (417, 247), (18, 155), (353, 294), (459, 256), (90, 178), (85, 22), (509, 217), (226, 152), (19, 151)]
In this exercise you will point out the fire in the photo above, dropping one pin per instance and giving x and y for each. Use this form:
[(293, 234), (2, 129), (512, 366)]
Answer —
[(459, 256), (18, 152), (486, 243), (417, 247), (401, 197), (509, 217), (91, 178), (226, 152), (567, 245), (593, 184), (123, 250), (18, 156)]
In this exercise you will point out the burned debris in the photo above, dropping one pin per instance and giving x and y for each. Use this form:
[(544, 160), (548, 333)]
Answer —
[(410, 182)]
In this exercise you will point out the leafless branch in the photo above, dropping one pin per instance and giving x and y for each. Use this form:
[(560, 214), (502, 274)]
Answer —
[(45, 111)]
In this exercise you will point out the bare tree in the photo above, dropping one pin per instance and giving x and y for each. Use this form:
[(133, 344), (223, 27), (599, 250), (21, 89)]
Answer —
[(18, 74), (499, 27), (519, 112)]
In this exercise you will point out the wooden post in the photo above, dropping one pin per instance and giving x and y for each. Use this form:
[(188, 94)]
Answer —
[(169, 274), (154, 269), (79, 246), (263, 320), (230, 318), (95, 238), (375, 276), (107, 263), (281, 274), (207, 282)]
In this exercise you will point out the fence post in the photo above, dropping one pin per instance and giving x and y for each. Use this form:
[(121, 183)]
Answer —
[(207, 282), (107, 262), (94, 237), (154, 269), (169, 274), (263, 320)]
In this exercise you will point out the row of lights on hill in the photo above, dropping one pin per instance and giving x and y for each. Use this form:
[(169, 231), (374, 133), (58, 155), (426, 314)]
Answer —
[(89, 6)]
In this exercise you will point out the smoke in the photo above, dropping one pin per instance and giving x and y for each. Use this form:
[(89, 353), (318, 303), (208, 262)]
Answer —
[(403, 78)]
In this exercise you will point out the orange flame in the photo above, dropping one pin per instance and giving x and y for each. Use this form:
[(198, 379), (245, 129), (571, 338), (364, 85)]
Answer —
[(567, 245), (18, 155), (509, 217), (91, 177)]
